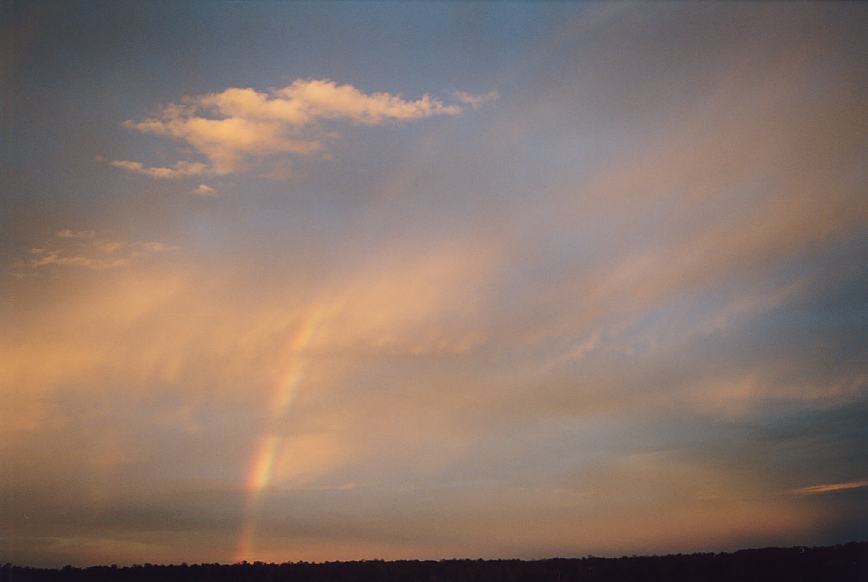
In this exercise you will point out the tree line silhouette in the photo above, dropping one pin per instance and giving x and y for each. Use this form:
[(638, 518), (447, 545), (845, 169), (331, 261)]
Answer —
[(848, 562)]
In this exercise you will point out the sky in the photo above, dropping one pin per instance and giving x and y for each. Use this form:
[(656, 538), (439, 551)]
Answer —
[(329, 281)]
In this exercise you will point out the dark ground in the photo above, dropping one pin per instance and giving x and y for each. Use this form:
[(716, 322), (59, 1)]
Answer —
[(847, 562)]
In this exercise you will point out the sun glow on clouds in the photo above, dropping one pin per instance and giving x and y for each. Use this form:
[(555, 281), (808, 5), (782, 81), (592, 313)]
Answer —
[(238, 125), (617, 311)]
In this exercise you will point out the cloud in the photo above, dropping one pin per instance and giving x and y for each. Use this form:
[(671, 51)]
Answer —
[(241, 124), (83, 249), (830, 488), (206, 191), (179, 170), (305, 102), (77, 234), (476, 101), (388, 363), (654, 313)]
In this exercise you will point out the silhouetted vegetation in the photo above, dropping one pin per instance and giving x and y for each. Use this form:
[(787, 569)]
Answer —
[(835, 563)]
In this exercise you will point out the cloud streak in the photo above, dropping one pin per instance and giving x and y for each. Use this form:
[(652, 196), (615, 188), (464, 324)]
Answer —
[(830, 488), (205, 191), (179, 170), (84, 249)]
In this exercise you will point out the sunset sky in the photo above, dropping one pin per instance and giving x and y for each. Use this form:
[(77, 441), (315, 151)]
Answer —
[(291, 281)]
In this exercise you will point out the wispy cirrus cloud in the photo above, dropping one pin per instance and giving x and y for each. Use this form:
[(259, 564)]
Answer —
[(84, 249), (476, 101), (830, 488), (179, 170), (238, 125), (75, 234)]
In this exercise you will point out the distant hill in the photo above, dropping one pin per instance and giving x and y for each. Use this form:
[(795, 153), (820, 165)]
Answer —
[(847, 562)]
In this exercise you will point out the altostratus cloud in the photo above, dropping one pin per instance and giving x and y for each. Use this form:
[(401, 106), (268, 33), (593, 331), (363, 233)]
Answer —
[(240, 125)]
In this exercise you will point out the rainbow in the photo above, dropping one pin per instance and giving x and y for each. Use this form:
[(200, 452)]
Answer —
[(268, 445)]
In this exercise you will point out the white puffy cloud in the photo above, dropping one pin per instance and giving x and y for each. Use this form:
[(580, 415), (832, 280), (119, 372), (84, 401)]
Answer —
[(240, 124)]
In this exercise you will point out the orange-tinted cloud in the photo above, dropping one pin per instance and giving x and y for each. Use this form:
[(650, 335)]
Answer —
[(179, 170), (242, 123), (83, 249), (830, 488)]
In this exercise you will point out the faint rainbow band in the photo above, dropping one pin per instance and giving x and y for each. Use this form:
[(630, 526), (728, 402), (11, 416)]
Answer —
[(266, 450)]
